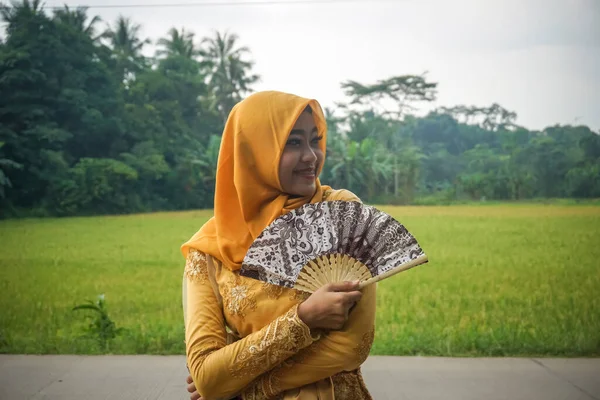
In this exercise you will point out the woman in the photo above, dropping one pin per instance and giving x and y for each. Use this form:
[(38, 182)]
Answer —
[(250, 339)]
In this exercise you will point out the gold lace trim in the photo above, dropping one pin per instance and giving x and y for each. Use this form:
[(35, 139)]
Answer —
[(238, 298), (196, 267), (272, 291), (254, 392), (271, 382), (364, 347), (298, 295), (272, 345), (350, 386)]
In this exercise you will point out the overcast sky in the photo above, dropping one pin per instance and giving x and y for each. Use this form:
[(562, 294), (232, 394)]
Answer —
[(540, 58)]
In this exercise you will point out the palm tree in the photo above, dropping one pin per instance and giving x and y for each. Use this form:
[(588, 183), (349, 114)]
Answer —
[(407, 164), (229, 75), (127, 46), (77, 18), (375, 161), (179, 43), (208, 161), (344, 158), (10, 13), (20, 13)]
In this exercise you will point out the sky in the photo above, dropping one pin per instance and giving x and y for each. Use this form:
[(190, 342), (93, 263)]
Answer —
[(539, 58)]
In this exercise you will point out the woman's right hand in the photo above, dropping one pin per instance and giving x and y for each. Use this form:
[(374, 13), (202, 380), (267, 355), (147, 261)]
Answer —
[(191, 388), (328, 307)]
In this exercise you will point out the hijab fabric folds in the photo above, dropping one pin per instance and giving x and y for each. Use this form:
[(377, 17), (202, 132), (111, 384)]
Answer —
[(248, 194)]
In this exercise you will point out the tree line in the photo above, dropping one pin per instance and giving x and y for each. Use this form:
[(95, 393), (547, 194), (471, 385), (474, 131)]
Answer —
[(89, 125)]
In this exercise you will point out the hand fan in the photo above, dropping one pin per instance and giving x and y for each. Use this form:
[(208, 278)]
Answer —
[(331, 241)]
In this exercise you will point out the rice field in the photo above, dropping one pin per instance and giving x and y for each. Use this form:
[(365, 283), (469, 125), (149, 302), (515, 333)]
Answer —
[(503, 280)]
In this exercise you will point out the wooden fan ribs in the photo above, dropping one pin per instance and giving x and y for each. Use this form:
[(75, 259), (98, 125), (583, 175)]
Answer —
[(330, 268)]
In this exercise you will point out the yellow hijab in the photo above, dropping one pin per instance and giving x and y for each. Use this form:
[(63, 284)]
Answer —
[(248, 194)]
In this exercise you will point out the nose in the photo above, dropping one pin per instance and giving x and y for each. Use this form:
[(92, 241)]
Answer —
[(308, 155)]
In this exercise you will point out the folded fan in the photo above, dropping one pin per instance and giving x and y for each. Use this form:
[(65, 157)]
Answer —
[(331, 241)]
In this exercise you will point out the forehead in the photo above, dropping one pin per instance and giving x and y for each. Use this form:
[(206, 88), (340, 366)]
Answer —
[(305, 122)]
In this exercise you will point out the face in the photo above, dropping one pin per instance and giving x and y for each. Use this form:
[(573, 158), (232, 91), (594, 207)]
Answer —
[(302, 158)]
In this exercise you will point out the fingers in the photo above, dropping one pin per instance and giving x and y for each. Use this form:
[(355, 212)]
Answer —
[(195, 396), (350, 298), (191, 388), (343, 286)]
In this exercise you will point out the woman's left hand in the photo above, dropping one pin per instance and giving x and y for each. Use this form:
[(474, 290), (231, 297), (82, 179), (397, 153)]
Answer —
[(191, 388)]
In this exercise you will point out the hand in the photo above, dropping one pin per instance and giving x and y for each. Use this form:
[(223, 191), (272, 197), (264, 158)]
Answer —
[(191, 388), (328, 307)]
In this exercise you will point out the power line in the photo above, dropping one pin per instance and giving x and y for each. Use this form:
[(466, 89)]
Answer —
[(220, 4)]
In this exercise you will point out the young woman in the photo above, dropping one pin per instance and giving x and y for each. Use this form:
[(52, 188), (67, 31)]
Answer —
[(251, 340)]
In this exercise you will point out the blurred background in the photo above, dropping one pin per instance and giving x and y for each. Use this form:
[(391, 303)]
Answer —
[(487, 112), (119, 107)]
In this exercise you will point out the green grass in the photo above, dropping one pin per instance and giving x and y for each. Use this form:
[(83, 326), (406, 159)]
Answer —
[(502, 280)]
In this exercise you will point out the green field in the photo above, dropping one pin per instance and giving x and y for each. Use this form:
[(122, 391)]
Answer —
[(502, 280)]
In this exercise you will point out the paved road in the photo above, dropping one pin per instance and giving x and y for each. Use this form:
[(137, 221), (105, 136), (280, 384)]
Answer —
[(404, 378)]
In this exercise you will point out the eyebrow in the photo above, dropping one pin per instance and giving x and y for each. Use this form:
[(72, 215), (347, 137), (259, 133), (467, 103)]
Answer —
[(302, 131)]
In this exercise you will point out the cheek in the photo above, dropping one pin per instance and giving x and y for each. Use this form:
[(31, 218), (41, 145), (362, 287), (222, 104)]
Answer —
[(287, 163)]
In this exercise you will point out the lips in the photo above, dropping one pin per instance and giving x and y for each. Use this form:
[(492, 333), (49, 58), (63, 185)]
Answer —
[(308, 173), (305, 171)]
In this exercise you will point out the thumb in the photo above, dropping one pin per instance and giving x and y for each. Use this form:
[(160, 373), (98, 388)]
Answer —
[(345, 286)]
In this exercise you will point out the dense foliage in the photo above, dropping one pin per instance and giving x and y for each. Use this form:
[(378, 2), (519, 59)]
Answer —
[(88, 125)]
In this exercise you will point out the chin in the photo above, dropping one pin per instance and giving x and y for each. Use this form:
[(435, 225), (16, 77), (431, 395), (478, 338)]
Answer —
[(305, 191)]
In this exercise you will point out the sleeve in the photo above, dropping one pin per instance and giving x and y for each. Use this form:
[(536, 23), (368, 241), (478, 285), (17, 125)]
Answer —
[(338, 351), (221, 371)]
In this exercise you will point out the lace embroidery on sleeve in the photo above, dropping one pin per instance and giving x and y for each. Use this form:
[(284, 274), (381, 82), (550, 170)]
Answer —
[(280, 339), (298, 295), (350, 386), (364, 347), (196, 268), (254, 392), (272, 291), (270, 383), (238, 298)]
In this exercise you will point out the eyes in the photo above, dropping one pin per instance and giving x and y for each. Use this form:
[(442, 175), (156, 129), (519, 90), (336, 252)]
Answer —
[(295, 142)]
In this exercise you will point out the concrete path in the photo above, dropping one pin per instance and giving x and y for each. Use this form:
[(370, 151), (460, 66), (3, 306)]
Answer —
[(423, 378)]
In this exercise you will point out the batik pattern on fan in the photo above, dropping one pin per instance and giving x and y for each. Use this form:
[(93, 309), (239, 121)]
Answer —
[(335, 227)]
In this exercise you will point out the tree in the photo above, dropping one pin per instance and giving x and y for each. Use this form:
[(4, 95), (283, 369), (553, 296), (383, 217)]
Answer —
[(492, 118), (59, 101), (398, 93), (124, 40), (343, 159), (78, 19), (19, 12), (391, 98), (208, 159), (229, 73), (89, 128), (29, 64), (5, 165), (177, 43)]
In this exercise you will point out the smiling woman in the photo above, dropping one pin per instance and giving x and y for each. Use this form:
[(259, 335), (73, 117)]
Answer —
[(302, 157), (249, 339)]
